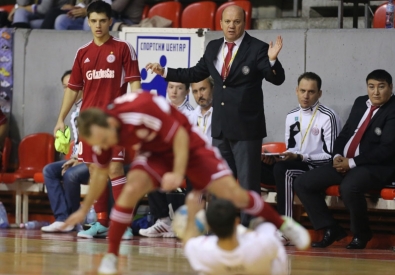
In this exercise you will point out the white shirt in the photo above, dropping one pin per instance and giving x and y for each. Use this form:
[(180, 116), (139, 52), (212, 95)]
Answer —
[(186, 109), (319, 137), (259, 252), (203, 122)]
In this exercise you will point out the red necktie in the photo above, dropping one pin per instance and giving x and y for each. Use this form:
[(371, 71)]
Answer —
[(225, 67), (358, 136)]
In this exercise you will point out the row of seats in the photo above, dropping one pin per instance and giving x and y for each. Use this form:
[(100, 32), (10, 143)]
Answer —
[(203, 14), (387, 193)]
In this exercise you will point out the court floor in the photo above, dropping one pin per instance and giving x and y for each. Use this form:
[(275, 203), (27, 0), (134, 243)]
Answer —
[(33, 252)]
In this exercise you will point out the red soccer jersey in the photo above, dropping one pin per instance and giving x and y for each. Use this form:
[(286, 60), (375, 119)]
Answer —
[(149, 122), (103, 71)]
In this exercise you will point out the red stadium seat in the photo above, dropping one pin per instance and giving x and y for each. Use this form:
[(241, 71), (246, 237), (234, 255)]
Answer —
[(246, 5), (199, 15), (380, 16), (34, 152), (274, 147), (388, 193), (145, 12), (168, 10), (7, 8)]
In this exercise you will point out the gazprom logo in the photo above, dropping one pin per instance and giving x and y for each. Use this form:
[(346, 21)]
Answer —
[(100, 74)]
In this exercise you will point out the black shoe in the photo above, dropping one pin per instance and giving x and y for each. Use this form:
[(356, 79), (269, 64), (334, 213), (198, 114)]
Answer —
[(331, 235), (358, 242)]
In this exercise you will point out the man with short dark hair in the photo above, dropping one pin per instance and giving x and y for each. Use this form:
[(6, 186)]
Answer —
[(310, 132), (230, 250), (102, 68), (364, 159)]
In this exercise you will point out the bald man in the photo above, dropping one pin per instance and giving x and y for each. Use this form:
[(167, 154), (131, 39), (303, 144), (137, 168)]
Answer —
[(238, 63)]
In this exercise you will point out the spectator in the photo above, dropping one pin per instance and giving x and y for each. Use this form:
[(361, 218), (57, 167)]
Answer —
[(364, 159), (177, 94), (310, 132), (27, 14), (63, 178), (229, 250), (128, 12), (203, 94)]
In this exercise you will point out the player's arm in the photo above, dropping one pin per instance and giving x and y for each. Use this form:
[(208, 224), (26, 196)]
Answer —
[(194, 205), (97, 184), (69, 98), (135, 85), (173, 180)]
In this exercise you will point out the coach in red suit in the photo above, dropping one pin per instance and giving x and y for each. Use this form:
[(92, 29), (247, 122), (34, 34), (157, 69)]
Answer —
[(238, 63), (364, 159)]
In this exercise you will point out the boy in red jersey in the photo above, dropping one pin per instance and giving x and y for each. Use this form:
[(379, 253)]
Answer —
[(102, 68), (169, 147)]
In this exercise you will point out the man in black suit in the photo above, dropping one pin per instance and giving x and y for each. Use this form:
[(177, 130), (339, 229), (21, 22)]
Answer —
[(238, 63), (364, 159)]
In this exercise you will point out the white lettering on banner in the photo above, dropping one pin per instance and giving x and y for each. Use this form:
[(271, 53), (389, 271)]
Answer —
[(169, 47), (100, 74)]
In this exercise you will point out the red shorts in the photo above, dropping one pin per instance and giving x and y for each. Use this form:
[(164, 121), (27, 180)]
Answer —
[(85, 153), (205, 165)]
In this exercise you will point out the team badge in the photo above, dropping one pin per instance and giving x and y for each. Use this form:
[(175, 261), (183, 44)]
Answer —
[(377, 131), (296, 118), (245, 70), (110, 106), (315, 131), (111, 58)]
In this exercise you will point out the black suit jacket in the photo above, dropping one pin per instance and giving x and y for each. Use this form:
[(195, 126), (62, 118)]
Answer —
[(377, 146), (238, 101)]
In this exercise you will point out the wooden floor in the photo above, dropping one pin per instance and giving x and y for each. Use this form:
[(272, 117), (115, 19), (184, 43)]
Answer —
[(33, 252)]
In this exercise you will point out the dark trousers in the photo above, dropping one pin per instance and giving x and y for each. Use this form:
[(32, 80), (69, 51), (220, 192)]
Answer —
[(310, 188), (159, 201), (50, 17), (285, 173), (244, 159)]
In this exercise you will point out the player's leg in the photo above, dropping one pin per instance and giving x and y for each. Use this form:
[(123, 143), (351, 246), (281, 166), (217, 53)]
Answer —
[(139, 183), (207, 170), (117, 177)]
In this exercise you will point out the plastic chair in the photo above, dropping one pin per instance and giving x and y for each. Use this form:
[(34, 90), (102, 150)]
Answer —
[(246, 5), (34, 152), (7, 8), (199, 15), (145, 12), (168, 10), (379, 16), (274, 147)]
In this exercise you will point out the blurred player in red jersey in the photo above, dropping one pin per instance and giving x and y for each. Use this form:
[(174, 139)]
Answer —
[(102, 68), (169, 147)]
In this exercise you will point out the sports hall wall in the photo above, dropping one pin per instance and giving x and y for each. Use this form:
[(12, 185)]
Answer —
[(342, 58)]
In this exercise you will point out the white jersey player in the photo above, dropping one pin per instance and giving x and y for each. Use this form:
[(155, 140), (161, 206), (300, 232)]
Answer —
[(230, 251)]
